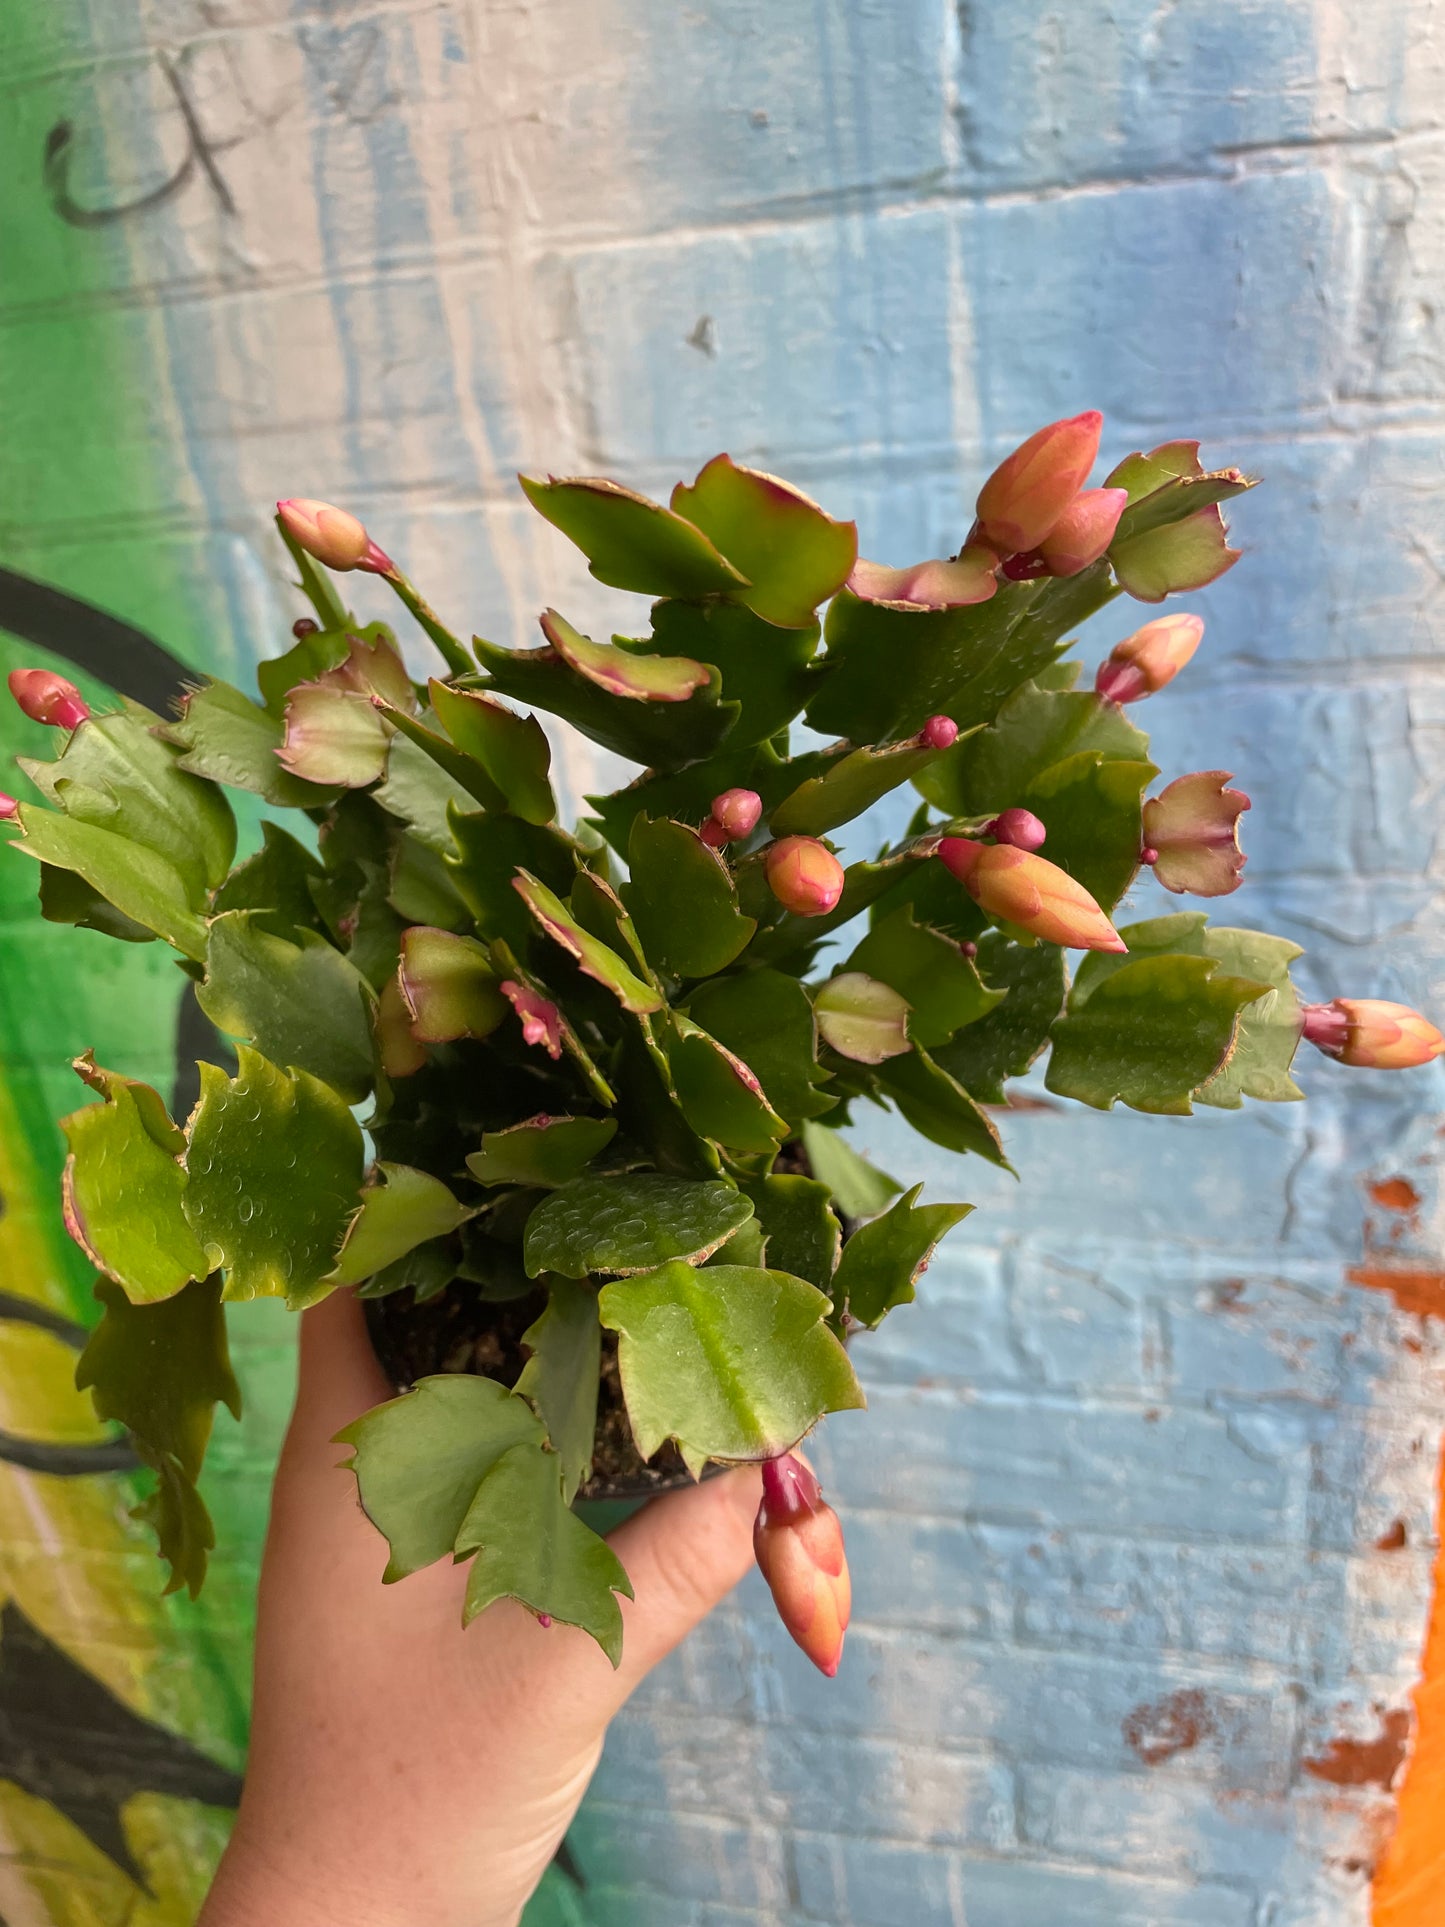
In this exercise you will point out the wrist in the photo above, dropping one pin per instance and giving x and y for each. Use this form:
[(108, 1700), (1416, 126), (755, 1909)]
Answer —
[(255, 1887)]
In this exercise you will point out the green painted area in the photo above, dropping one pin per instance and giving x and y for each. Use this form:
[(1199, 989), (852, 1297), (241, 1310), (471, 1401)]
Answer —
[(93, 489)]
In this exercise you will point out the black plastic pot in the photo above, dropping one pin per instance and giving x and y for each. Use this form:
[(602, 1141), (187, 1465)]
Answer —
[(461, 1331)]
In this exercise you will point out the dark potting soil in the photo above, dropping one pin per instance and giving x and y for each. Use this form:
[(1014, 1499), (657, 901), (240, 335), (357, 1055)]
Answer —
[(460, 1331)]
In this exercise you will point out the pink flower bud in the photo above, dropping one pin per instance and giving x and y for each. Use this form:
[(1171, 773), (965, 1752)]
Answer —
[(804, 875), (332, 535), (1372, 1034), (1028, 492), (541, 1020), (1084, 531), (1143, 663), (799, 1547), (939, 732), (1192, 827), (736, 812), (48, 698), (1028, 890), (1021, 828), (8, 807), (713, 834)]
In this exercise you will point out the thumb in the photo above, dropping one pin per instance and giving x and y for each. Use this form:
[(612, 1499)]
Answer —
[(683, 1553)]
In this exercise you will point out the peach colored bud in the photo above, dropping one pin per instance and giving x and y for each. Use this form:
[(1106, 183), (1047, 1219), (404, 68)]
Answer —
[(1143, 663), (939, 732), (8, 807), (1084, 530), (1028, 492), (1372, 1034), (332, 535), (48, 698), (799, 1547), (1021, 828), (1028, 890), (736, 812), (804, 875), (541, 1020)]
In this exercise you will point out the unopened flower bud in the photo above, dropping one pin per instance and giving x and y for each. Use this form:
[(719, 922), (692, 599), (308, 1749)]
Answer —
[(1084, 531), (1028, 492), (799, 1547), (1021, 828), (1372, 1034), (332, 535), (48, 698), (541, 1019), (8, 807), (304, 626), (939, 732), (1028, 890), (713, 834), (1143, 663), (804, 875), (736, 812)]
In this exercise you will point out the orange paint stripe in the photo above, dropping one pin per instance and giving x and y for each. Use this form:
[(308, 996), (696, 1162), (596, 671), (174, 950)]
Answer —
[(1409, 1888)]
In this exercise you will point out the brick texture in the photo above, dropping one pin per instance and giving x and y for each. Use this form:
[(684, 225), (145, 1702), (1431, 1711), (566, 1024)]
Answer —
[(1142, 1515)]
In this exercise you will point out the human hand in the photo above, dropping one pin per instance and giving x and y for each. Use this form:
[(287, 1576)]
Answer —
[(402, 1770)]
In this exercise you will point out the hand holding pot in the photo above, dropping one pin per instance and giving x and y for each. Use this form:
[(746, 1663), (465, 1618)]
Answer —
[(401, 1770)]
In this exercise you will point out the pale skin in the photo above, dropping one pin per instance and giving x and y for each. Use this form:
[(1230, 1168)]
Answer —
[(402, 1770)]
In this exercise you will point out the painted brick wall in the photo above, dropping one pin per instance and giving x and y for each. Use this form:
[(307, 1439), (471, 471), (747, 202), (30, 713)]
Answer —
[(1142, 1519)]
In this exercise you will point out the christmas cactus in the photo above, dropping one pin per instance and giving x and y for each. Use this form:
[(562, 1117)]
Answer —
[(580, 1093)]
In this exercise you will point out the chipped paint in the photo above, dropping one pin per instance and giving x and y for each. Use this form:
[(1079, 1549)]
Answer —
[(1413, 1289), (1395, 1194), (1175, 1724), (1375, 1761)]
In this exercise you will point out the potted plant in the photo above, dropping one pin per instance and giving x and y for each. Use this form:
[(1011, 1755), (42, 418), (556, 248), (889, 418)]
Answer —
[(564, 1107)]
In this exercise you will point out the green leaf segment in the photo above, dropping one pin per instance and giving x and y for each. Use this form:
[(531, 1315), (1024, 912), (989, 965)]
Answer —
[(598, 1073)]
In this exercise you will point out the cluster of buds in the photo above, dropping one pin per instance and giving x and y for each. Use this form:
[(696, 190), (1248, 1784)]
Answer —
[(735, 814), (1034, 517), (1143, 663), (1034, 513), (804, 875), (1371, 1034), (332, 536), (48, 698), (799, 1547), (1013, 884)]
